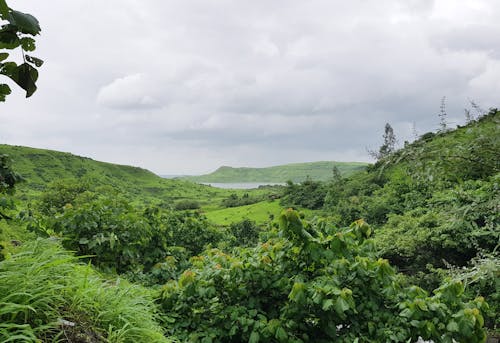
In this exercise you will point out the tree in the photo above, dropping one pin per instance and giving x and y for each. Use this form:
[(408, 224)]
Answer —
[(389, 145), (18, 32)]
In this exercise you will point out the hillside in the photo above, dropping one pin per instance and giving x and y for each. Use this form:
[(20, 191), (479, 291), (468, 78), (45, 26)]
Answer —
[(434, 205), (40, 167), (295, 172)]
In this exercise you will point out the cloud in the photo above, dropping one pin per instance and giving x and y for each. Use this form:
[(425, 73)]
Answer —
[(129, 92), (173, 87)]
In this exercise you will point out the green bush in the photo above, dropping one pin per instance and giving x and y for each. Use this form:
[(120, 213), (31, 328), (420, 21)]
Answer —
[(187, 205), (312, 283)]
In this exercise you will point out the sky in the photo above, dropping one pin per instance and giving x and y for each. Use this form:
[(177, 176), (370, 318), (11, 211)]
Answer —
[(185, 86)]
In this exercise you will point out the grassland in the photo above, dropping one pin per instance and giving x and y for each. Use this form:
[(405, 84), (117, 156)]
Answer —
[(295, 172), (260, 212)]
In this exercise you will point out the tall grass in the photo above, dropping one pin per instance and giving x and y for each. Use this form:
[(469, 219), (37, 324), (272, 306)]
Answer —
[(45, 294)]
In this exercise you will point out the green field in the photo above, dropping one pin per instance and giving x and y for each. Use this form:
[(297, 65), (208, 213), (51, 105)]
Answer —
[(295, 172), (260, 212)]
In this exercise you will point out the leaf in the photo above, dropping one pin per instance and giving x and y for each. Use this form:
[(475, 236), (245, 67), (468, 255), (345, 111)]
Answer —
[(281, 334), (24, 75), (254, 337), (9, 38), (327, 304), (452, 326), (3, 56), (28, 44), (36, 61), (25, 22), (4, 9), (341, 305), (297, 292), (4, 91)]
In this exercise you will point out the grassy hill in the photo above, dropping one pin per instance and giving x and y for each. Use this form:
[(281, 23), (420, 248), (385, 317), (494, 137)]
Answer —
[(295, 172), (39, 167)]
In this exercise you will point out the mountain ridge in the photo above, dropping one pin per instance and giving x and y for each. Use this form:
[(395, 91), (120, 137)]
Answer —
[(296, 172)]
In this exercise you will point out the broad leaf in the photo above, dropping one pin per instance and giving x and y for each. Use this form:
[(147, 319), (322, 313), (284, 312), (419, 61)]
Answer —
[(25, 22)]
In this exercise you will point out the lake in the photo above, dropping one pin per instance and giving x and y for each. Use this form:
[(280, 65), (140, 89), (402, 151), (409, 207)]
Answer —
[(242, 185)]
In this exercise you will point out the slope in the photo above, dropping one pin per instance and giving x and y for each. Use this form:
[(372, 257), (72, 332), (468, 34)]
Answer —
[(40, 167), (295, 172)]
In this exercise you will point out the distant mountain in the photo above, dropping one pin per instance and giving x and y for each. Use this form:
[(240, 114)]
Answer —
[(295, 172)]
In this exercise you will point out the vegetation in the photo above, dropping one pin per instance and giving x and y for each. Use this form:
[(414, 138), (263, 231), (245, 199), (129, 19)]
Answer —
[(434, 203), (147, 265), (312, 283), (296, 172), (47, 173), (18, 31), (47, 295), (170, 273)]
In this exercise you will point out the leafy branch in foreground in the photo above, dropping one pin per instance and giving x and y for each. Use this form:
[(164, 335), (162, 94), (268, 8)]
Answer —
[(18, 32)]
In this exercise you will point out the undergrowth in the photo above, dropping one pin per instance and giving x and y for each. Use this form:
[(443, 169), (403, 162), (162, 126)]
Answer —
[(46, 295)]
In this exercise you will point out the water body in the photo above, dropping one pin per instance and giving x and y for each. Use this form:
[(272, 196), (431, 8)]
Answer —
[(242, 185)]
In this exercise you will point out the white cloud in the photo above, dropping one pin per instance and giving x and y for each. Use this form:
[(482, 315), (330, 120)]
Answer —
[(129, 92), (224, 81)]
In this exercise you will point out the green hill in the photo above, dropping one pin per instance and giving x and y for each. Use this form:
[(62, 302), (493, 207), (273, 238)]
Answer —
[(39, 167), (295, 172)]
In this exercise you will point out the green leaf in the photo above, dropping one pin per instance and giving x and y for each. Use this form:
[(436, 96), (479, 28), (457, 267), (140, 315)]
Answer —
[(281, 334), (9, 38), (3, 56), (254, 337), (36, 61), (327, 304), (297, 292), (28, 44), (4, 9), (452, 326), (4, 91), (341, 305), (25, 22), (24, 75)]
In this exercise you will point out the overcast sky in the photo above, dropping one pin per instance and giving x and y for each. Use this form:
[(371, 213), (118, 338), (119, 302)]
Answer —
[(182, 87)]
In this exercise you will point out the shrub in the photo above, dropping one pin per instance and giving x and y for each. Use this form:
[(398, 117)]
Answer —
[(312, 283)]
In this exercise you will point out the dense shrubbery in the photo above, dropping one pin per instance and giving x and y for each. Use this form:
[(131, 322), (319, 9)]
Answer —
[(434, 203), (308, 194), (234, 201), (118, 236), (187, 205), (245, 233), (312, 283)]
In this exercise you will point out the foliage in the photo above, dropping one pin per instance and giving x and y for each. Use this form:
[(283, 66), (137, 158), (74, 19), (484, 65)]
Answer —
[(8, 180), (482, 277), (118, 236), (187, 205), (61, 193), (311, 283), (389, 145), (18, 32), (234, 201), (245, 233), (47, 296), (308, 194)]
